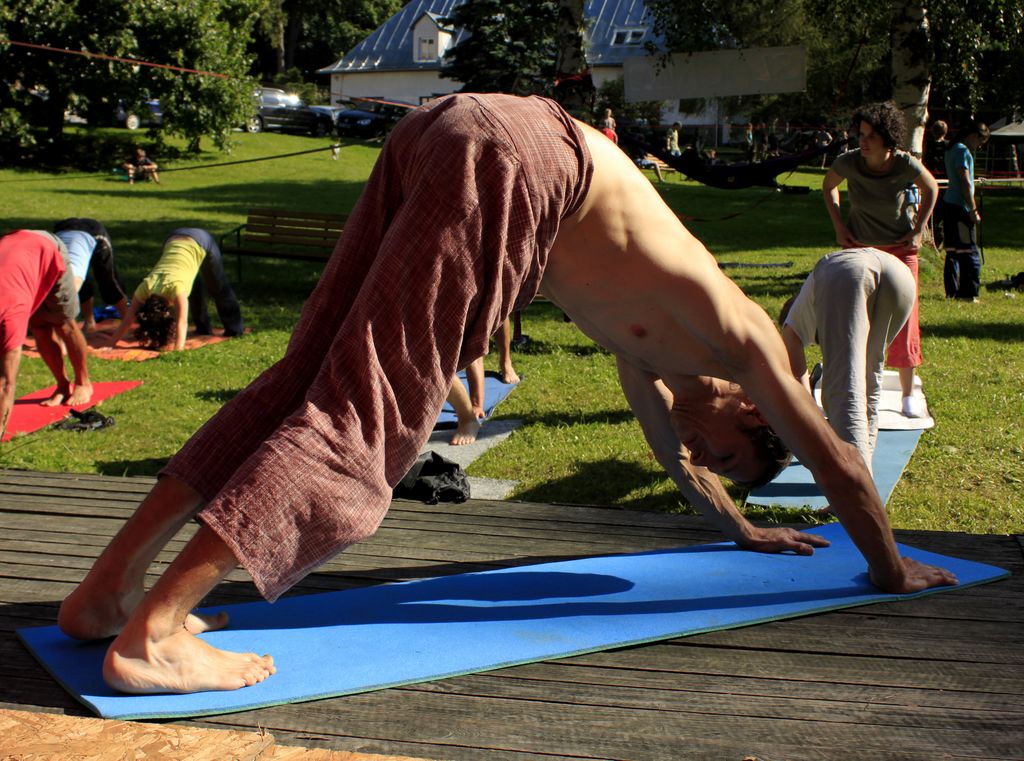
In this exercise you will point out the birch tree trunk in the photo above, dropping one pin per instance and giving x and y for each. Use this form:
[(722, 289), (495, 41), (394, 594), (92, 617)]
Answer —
[(911, 68), (574, 88)]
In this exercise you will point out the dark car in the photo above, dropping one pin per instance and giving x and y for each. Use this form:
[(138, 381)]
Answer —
[(149, 114), (279, 110), (371, 118)]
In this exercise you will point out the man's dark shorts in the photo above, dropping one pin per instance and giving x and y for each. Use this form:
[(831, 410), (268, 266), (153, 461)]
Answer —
[(61, 303)]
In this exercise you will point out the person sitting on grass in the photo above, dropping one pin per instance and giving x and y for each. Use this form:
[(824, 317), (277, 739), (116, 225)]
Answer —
[(189, 265), (88, 244), (39, 293), (140, 165)]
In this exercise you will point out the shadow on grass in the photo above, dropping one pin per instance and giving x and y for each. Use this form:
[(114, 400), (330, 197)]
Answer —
[(603, 482), (219, 395), (593, 417), (1009, 332), (150, 466), (769, 285)]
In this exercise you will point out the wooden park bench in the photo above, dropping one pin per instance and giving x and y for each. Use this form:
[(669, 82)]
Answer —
[(278, 234), (665, 168)]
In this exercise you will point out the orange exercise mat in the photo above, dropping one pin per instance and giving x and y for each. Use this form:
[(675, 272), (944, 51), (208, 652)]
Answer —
[(29, 415), (127, 349)]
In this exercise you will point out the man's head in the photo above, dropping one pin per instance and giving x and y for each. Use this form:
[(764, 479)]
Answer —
[(156, 322), (974, 134), (729, 436), (939, 129)]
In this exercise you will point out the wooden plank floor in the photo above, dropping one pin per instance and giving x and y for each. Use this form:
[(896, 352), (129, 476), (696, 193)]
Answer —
[(939, 677)]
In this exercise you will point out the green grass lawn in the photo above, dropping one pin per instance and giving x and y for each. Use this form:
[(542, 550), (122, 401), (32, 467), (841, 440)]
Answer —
[(579, 443)]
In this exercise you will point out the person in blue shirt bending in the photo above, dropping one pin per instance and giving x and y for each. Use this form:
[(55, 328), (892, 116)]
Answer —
[(88, 244)]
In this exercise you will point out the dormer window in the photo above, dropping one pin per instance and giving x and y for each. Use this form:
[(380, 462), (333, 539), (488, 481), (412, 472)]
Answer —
[(426, 49), (628, 36)]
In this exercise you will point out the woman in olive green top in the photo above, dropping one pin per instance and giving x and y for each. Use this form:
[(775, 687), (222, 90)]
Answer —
[(190, 262), (879, 179)]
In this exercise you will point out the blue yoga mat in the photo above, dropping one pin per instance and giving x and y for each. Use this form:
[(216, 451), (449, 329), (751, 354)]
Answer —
[(340, 643), (495, 392), (795, 487)]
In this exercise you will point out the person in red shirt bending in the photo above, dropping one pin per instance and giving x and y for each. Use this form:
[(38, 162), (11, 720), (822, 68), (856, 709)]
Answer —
[(39, 292)]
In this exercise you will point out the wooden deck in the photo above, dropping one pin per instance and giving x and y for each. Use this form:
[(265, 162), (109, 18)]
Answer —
[(939, 677)]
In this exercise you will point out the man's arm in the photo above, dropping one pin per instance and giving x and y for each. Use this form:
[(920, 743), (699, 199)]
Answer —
[(797, 359), (830, 190), (181, 321), (8, 377), (651, 402), (929, 196), (127, 318), (756, 358), (967, 189)]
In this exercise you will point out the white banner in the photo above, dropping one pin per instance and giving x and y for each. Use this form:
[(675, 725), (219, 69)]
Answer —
[(716, 74)]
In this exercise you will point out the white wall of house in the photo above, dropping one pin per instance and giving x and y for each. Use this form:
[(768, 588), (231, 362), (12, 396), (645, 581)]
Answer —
[(412, 86), (405, 86)]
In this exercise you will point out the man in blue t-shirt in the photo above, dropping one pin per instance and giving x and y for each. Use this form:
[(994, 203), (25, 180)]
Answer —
[(962, 272)]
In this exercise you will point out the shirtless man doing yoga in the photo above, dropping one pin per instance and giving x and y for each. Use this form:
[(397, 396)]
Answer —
[(475, 199)]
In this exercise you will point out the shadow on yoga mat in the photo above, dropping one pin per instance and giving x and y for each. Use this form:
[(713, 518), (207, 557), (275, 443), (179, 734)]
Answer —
[(795, 487), (495, 391), (340, 643)]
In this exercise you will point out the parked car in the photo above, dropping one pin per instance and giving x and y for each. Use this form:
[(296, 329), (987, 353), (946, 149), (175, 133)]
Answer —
[(371, 117), (150, 115), (104, 113), (279, 110)]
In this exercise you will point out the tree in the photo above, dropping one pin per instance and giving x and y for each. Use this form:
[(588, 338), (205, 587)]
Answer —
[(612, 95), (511, 46), (951, 54), (205, 35), (309, 34), (911, 67), (574, 88)]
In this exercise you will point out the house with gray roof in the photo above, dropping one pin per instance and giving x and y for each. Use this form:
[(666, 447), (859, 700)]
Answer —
[(402, 58)]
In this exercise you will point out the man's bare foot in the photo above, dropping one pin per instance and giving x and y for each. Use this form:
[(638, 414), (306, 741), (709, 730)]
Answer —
[(466, 433), (97, 610), (89, 328), (58, 397), (81, 394), (179, 663), (509, 375)]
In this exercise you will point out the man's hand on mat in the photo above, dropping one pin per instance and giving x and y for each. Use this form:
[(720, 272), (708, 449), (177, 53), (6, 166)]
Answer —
[(916, 577), (782, 540)]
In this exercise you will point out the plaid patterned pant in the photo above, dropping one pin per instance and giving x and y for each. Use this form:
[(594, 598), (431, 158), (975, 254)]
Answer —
[(450, 235)]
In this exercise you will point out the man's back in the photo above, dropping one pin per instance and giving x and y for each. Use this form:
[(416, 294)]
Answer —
[(635, 280)]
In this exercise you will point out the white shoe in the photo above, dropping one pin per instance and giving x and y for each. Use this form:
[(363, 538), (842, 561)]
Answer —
[(913, 406)]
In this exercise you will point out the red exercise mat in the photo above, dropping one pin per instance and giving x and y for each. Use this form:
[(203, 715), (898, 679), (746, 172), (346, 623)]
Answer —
[(29, 415), (127, 349)]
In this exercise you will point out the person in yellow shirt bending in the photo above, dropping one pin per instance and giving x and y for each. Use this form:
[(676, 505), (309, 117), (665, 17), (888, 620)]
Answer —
[(189, 265)]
